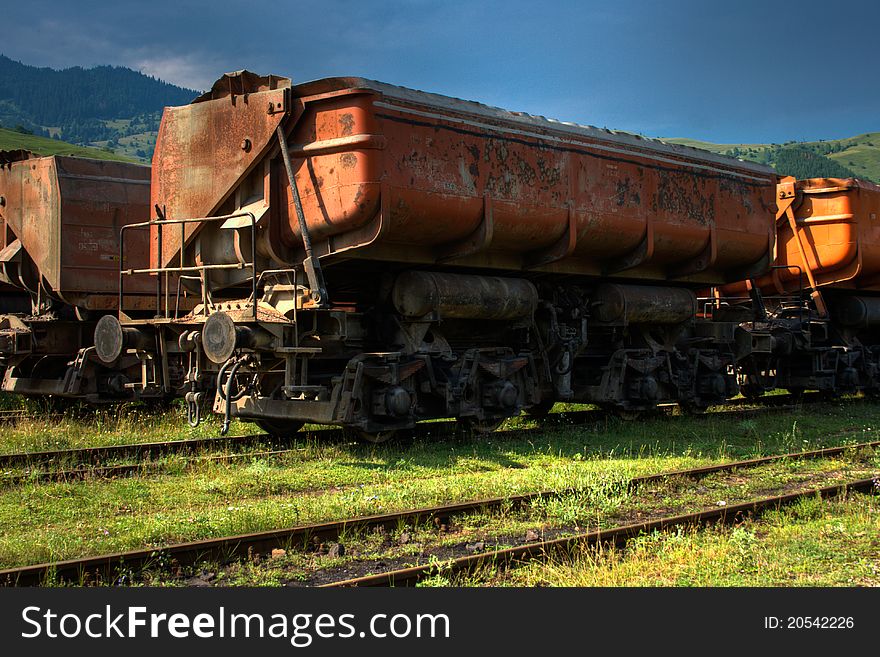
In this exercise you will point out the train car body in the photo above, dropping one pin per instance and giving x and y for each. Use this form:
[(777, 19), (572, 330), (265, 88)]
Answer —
[(60, 219), (837, 241), (392, 175), (370, 256)]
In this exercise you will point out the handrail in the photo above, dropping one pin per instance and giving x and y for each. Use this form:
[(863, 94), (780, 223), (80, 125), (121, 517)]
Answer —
[(202, 269)]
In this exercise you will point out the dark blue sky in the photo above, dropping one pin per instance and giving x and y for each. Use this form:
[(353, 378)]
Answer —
[(734, 71)]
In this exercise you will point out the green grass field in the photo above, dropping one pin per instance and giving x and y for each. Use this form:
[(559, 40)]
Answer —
[(12, 140), (813, 543)]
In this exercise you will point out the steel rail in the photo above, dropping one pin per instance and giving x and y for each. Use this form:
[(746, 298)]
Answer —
[(228, 547), (617, 536), (96, 455), (131, 450), (129, 469)]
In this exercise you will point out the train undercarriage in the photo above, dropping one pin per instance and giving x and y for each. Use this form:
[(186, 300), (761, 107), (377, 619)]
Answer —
[(427, 345), (469, 274)]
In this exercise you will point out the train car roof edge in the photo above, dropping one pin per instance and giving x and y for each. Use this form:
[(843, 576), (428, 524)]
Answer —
[(326, 85)]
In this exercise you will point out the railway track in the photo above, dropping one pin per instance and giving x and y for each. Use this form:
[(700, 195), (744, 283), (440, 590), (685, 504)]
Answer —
[(227, 548), (616, 535), (149, 451), (130, 469)]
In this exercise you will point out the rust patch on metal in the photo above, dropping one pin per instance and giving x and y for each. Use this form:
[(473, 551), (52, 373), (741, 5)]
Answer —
[(680, 193), (550, 175), (474, 167), (347, 121), (626, 195)]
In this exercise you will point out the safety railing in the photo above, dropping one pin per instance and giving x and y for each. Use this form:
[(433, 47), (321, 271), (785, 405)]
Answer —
[(164, 272)]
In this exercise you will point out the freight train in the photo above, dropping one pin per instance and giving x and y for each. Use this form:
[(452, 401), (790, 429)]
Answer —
[(353, 253)]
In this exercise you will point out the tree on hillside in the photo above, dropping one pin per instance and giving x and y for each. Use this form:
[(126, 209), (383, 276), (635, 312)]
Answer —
[(80, 101), (802, 162)]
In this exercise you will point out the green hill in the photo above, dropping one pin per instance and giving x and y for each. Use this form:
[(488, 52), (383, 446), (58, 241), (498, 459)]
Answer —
[(12, 140), (856, 157), (106, 106)]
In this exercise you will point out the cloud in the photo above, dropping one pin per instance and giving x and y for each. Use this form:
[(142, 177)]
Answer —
[(189, 71), (679, 67)]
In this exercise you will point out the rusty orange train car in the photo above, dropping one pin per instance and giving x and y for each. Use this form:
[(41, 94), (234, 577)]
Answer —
[(370, 256), (828, 231), (816, 313), (59, 262)]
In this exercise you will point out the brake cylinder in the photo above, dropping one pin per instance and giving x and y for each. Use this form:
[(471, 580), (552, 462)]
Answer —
[(642, 304), (858, 312), (463, 296)]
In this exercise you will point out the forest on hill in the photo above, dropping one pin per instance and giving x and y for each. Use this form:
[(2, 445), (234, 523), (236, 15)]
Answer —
[(854, 157), (106, 106)]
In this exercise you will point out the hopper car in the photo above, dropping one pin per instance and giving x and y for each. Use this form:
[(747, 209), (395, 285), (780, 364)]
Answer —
[(813, 321), (370, 256), (59, 268)]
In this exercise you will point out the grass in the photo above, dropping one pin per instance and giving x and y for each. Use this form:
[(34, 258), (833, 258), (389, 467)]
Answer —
[(328, 481), (812, 543), (12, 140), (85, 426), (599, 502)]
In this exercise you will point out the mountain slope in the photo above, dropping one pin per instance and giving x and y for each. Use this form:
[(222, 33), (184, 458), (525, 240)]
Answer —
[(857, 157), (106, 106)]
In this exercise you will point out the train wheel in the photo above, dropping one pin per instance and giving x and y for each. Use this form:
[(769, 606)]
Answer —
[(542, 408), (625, 414), (279, 428), (751, 392)]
